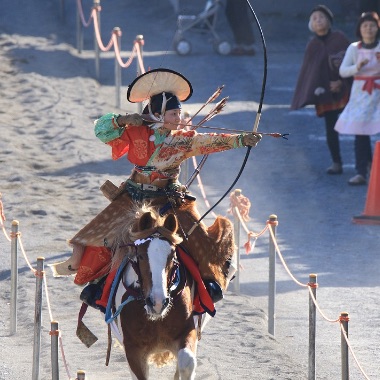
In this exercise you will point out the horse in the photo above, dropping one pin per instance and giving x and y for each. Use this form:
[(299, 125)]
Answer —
[(154, 297), (162, 324)]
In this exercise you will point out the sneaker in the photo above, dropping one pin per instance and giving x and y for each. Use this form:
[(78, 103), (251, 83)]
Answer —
[(357, 180), (335, 168)]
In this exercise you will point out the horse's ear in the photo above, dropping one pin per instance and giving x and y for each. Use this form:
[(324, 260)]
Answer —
[(147, 221), (171, 223)]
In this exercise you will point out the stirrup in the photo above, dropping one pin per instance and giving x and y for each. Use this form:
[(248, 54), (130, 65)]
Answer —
[(214, 290)]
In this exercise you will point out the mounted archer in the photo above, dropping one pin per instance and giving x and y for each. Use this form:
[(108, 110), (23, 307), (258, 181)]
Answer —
[(156, 145)]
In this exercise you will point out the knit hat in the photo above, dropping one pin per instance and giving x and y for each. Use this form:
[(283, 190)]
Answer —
[(325, 10)]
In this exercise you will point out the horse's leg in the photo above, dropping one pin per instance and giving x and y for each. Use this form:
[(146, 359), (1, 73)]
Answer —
[(176, 375), (186, 358), (187, 363), (138, 365)]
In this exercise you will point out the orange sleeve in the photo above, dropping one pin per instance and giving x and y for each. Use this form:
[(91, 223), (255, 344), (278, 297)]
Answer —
[(120, 146)]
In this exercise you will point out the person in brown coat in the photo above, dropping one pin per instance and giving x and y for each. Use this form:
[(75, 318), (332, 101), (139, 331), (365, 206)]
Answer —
[(319, 82)]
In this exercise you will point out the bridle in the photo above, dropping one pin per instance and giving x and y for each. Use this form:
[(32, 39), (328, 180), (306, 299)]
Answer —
[(176, 277)]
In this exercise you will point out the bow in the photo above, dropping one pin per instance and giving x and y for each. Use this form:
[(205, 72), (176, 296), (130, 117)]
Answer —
[(255, 126)]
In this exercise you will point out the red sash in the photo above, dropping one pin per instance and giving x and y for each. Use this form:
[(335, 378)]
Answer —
[(369, 84)]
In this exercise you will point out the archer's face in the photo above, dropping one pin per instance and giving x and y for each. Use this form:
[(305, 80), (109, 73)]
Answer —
[(172, 119)]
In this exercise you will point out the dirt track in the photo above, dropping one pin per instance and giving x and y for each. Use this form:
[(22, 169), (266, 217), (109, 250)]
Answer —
[(51, 174)]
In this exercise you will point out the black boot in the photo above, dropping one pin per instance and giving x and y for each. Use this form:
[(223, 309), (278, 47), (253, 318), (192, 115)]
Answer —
[(214, 290), (93, 292)]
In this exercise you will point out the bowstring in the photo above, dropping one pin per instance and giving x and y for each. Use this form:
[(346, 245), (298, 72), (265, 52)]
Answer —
[(256, 124)]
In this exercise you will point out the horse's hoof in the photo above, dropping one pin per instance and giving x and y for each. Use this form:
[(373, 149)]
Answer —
[(214, 290)]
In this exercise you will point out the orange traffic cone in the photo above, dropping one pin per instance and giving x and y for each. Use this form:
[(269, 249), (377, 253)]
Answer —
[(371, 214)]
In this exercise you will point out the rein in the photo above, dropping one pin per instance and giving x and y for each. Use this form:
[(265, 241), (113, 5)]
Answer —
[(177, 279)]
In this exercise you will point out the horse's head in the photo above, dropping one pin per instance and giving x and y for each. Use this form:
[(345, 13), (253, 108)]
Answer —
[(155, 239)]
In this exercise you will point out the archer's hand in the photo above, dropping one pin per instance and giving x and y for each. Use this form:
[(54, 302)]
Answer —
[(251, 139), (133, 119)]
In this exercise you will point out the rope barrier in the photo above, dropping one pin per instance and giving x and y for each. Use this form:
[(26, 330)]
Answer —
[(319, 309), (236, 211), (3, 219), (81, 15), (282, 258), (340, 319), (67, 369), (351, 350), (98, 37), (48, 298), (113, 40), (24, 254), (4, 231), (41, 274), (240, 205), (310, 286)]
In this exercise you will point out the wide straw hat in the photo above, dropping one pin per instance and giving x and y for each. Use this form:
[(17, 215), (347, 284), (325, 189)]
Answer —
[(157, 81)]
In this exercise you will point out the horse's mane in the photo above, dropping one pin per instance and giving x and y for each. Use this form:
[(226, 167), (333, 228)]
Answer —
[(122, 245), (130, 231)]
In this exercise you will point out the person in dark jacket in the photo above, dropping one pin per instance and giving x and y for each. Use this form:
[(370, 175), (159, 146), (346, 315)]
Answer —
[(319, 82), (237, 14)]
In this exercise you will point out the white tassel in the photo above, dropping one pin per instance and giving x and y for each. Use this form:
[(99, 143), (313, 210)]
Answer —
[(163, 105), (159, 119)]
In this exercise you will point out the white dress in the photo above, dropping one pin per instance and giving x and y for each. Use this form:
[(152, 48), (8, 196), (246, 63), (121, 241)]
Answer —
[(361, 115)]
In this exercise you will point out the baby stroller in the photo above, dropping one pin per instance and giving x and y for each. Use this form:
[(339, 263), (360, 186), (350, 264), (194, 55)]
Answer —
[(204, 23)]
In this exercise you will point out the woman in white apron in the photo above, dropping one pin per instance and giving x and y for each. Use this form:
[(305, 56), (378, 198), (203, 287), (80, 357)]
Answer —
[(361, 117)]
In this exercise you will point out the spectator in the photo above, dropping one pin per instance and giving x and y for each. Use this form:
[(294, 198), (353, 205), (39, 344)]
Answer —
[(238, 18), (319, 82), (361, 116)]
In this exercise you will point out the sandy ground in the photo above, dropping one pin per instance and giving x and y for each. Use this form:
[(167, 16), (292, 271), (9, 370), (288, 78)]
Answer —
[(52, 167)]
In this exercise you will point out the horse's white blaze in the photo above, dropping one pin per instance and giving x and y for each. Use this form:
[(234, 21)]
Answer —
[(187, 362), (158, 252)]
